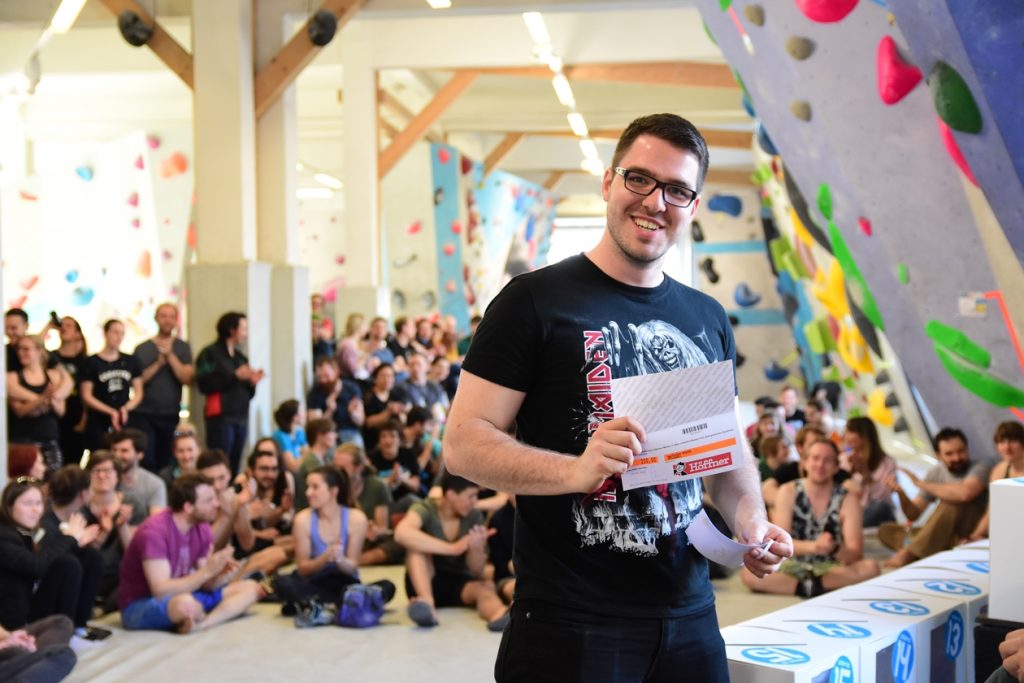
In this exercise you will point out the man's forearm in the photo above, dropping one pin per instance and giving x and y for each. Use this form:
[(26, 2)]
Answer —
[(421, 542), (184, 584), (949, 493), (476, 450), (737, 494)]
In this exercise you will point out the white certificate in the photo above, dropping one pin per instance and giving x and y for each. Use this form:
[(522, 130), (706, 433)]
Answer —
[(690, 419)]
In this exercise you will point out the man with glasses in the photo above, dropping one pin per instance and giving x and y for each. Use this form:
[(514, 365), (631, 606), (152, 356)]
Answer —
[(606, 579)]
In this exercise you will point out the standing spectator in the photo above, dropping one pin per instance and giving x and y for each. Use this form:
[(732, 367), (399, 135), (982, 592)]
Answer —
[(870, 469), (170, 579), (111, 387), (73, 356), (338, 399), (383, 403), (289, 435), (828, 538), (352, 354), (229, 383), (16, 327), (39, 574), (143, 490), (36, 397), (166, 363)]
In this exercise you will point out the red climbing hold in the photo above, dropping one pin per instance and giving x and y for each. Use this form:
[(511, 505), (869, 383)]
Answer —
[(443, 155), (954, 151), (826, 11), (865, 225), (896, 78)]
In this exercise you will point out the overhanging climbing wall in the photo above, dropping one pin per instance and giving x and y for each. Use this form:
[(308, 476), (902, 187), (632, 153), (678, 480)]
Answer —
[(893, 205)]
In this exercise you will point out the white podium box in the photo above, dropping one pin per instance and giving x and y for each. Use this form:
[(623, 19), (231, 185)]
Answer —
[(982, 543), (1006, 534), (970, 560), (932, 643), (828, 625), (760, 654)]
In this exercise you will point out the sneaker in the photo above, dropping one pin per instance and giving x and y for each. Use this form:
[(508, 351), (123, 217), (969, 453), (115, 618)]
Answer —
[(81, 645), (421, 614), (499, 624), (892, 535), (315, 613)]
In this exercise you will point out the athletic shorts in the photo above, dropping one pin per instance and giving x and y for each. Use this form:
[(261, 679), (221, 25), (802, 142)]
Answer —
[(150, 614), (447, 589)]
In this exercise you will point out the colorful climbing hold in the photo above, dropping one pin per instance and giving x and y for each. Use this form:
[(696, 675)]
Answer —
[(140, 163), (696, 232), (413, 228), (774, 372), (144, 266), (903, 273), (877, 409), (801, 109), (136, 223), (865, 225), (856, 283), (724, 5), (173, 165), (826, 11), (959, 343), (726, 203), (745, 297), (449, 249), (754, 14), (71, 276), (444, 155), (982, 384), (133, 199), (707, 32), (949, 140), (953, 99), (707, 266), (153, 141), (896, 77), (456, 227), (28, 196), (450, 286), (465, 164), (82, 296), (748, 106), (825, 201), (799, 48), (340, 259), (84, 172), (763, 141)]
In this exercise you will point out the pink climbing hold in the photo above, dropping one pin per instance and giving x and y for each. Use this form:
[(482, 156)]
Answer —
[(133, 199), (140, 163), (450, 286), (865, 225), (443, 155), (136, 223), (456, 227), (449, 249), (413, 228), (896, 78), (954, 151), (826, 11)]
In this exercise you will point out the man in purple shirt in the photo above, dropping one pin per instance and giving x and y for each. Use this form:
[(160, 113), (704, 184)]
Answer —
[(170, 577)]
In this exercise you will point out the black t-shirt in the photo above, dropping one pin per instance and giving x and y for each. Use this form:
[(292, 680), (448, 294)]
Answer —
[(111, 380), (317, 400), (396, 348), (41, 426), (560, 334), (13, 364), (75, 366), (407, 461)]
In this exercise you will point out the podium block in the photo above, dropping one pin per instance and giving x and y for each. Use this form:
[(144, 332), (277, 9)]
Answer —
[(970, 560), (1006, 535), (763, 654)]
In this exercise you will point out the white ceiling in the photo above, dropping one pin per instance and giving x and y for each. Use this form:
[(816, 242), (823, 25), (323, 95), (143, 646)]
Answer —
[(94, 85)]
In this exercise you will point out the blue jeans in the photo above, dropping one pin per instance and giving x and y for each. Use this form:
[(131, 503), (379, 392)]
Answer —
[(228, 436), (545, 642)]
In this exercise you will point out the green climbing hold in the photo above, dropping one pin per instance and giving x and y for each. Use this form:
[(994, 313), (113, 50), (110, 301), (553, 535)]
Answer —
[(959, 343), (855, 282), (982, 384), (724, 4), (825, 201), (904, 273), (785, 259), (953, 99)]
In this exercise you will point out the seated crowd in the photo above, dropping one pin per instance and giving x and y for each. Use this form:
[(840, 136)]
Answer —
[(181, 535)]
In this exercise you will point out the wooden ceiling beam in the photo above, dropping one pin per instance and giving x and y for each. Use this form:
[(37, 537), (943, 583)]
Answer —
[(501, 151), (285, 66), (386, 99), (691, 74), (418, 126), (164, 46), (553, 180)]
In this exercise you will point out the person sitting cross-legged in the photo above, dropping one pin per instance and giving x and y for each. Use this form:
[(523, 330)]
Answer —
[(171, 579), (827, 529), (446, 550)]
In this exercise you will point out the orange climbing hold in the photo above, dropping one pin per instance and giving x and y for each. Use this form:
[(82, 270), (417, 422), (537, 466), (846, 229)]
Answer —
[(896, 78)]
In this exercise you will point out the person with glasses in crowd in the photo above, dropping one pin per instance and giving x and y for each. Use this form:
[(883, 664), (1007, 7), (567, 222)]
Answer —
[(105, 507), (609, 313), (271, 493)]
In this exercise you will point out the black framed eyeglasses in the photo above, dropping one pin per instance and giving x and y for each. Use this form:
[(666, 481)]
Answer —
[(640, 183)]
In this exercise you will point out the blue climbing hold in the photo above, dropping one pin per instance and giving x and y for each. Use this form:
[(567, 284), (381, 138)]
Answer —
[(71, 276), (745, 297), (84, 172), (727, 203), (763, 141), (775, 372), (82, 296), (748, 106)]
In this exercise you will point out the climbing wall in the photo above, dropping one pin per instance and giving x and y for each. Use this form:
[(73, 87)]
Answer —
[(834, 89), (732, 265), (101, 229)]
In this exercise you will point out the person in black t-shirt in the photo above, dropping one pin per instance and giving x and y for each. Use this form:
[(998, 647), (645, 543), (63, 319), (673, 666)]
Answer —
[(111, 387), (397, 465), (594, 562), (72, 356)]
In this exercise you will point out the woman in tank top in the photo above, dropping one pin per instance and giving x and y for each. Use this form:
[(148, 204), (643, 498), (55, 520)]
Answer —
[(36, 398), (329, 537), (1009, 442)]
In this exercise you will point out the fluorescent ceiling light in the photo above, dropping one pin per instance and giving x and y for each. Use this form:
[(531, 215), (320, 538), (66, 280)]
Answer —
[(589, 149), (563, 90), (64, 17), (578, 125), (314, 193), (537, 28), (439, 4), (328, 180), (593, 166)]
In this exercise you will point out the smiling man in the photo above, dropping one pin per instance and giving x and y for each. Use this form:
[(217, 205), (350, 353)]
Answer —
[(608, 589)]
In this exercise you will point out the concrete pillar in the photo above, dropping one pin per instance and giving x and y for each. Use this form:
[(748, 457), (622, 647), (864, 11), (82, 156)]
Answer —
[(365, 291), (225, 277), (290, 372)]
